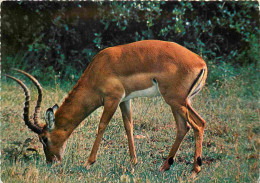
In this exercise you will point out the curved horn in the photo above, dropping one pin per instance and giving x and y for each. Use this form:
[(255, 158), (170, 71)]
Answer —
[(35, 128), (39, 100)]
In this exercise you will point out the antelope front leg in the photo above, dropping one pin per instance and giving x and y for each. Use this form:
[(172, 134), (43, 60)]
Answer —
[(110, 107), (126, 109)]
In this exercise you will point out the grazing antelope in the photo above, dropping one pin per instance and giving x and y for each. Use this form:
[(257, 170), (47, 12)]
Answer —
[(115, 76)]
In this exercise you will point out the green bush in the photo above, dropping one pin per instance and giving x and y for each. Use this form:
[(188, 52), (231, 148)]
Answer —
[(63, 37)]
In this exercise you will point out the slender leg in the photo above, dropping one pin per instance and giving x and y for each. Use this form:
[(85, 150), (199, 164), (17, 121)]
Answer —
[(110, 107), (198, 125), (126, 109), (182, 129), (198, 133)]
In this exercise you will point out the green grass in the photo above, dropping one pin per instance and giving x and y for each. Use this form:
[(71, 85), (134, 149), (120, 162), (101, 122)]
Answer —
[(231, 144)]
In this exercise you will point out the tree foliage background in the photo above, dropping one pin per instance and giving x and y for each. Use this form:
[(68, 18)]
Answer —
[(60, 38)]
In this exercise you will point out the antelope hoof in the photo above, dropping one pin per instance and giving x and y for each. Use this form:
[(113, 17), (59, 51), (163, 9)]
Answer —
[(197, 167), (89, 163), (194, 174), (134, 161), (195, 171), (166, 165)]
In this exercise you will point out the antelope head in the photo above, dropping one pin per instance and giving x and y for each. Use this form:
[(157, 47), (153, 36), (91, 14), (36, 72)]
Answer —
[(52, 145)]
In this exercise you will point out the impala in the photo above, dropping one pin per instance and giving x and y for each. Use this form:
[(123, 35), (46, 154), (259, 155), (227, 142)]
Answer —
[(115, 76)]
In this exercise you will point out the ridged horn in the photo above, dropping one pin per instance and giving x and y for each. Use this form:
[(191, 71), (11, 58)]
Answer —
[(39, 100), (34, 127)]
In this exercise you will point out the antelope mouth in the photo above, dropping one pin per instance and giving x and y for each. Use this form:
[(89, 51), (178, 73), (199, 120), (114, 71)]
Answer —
[(54, 160)]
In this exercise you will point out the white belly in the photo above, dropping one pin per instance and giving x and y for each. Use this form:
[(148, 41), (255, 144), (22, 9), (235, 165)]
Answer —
[(148, 92)]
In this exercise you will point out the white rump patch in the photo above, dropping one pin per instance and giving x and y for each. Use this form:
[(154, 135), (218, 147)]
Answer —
[(148, 92)]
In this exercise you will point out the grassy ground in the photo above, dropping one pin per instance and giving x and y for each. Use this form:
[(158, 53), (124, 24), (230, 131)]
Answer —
[(229, 104)]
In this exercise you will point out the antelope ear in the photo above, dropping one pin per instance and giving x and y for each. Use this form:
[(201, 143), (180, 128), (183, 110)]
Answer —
[(50, 118), (55, 108)]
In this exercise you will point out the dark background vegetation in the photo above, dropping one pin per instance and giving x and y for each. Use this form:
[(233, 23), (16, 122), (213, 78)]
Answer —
[(60, 38)]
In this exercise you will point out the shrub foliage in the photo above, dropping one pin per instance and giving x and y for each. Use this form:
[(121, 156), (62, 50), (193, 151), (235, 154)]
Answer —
[(60, 38)]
